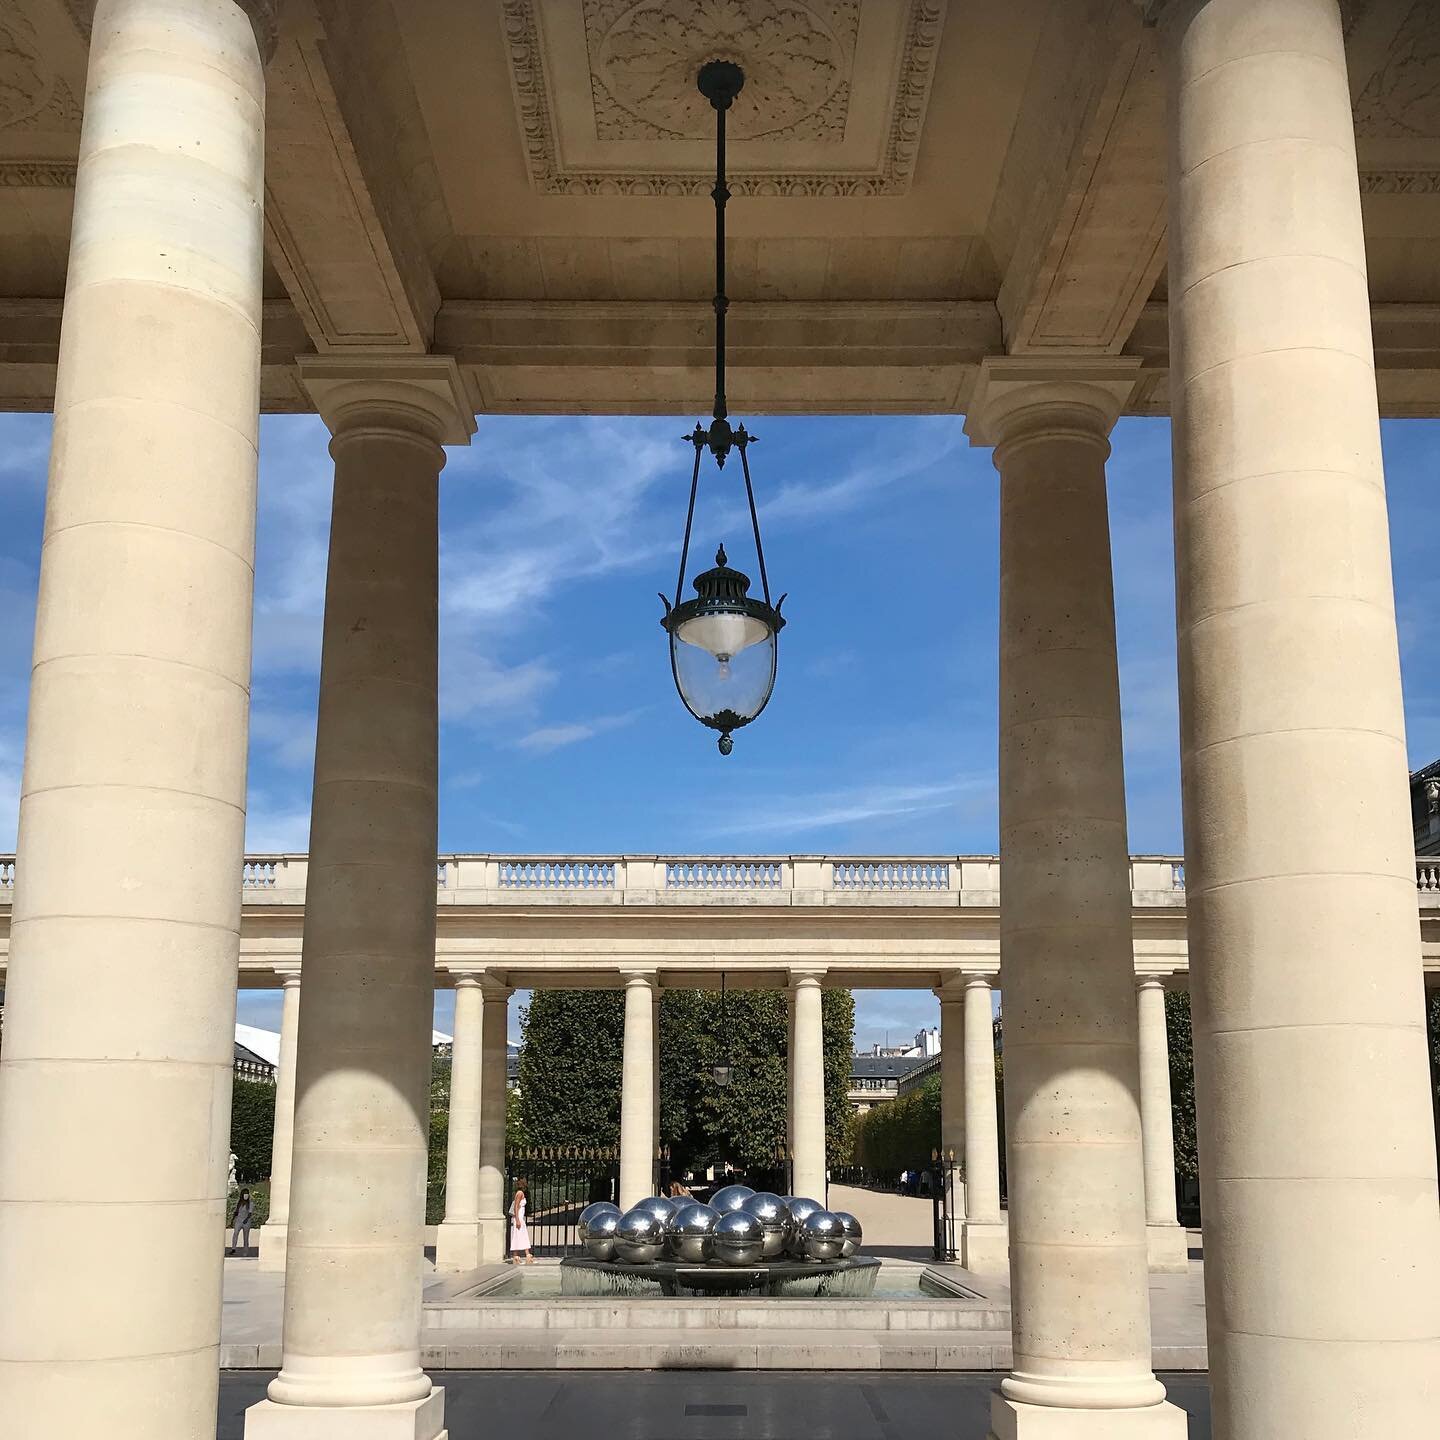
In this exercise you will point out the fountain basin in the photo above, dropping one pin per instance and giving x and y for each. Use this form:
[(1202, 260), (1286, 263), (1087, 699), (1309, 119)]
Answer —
[(580, 1275)]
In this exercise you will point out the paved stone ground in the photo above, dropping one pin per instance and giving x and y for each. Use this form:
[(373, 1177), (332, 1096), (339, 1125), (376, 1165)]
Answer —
[(672, 1406)]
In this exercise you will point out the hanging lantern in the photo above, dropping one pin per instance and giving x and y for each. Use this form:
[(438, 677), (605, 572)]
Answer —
[(723, 642)]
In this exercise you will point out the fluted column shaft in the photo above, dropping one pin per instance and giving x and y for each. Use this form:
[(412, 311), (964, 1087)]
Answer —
[(637, 1092), (1166, 1240), (120, 995), (1322, 1236), (1079, 1283), (982, 1130), (274, 1231), (494, 1094), (808, 1083), (952, 1090), (457, 1242)]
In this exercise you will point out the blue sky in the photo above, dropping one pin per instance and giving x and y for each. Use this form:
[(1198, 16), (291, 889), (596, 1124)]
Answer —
[(561, 729)]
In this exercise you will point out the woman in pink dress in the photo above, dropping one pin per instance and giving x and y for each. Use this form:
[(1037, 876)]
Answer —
[(519, 1230)]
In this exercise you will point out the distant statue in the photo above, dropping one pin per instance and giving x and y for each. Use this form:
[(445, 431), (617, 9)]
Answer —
[(1432, 795), (233, 1184)]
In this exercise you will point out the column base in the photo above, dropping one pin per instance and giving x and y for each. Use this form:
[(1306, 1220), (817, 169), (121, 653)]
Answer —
[(272, 1240), (417, 1420), (494, 1235), (457, 1245), (1011, 1420), (985, 1247), (1169, 1249)]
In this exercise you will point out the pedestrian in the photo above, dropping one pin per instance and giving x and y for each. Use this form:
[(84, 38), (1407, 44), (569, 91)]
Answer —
[(519, 1230), (244, 1214)]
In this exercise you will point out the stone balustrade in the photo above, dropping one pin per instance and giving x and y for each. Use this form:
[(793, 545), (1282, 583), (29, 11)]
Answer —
[(1156, 881)]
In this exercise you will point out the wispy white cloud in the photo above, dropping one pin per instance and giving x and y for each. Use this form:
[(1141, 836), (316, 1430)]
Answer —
[(801, 814), (276, 831), (557, 737)]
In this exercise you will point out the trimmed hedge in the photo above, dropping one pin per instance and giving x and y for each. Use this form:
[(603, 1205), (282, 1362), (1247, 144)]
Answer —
[(252, 1129)]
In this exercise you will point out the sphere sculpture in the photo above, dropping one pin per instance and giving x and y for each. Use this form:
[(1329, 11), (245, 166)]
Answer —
[(801, 1209), (659, 1206), (853, 1233), (639, 1237), (824, 1236), (690, 1234), (739, 1239), (596, 1227), (730, 1197), (774, 1217)]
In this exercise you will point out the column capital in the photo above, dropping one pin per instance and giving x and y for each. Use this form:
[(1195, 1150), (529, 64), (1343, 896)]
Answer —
[(806, 977), (639, 976), (423, 393), (1017, 394), (288, 978), (1149, 982), (979, 982), (951, 989)]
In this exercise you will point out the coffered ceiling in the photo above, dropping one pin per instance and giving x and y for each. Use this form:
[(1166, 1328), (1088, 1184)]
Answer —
[(524, 184)]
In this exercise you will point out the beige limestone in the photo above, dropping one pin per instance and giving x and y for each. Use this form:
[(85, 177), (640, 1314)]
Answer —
[(115, 1099), (952, 1089), (352, 1282), (494, 1202), (807, 1116), (984, 1242), (1076, 1184), (655, 1074), (1165, 1239), (275, 1230), (457, 1241), (637, 1090), (1322, 1236)]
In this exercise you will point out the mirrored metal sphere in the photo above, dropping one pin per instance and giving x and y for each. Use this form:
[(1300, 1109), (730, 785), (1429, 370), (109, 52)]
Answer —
[(800, 1209), (731, 1197), (659, 1206), (824, 1236), (774, 1217), (639, 1237), (597, 1233), (853, 1233), (690, 1235), (739, 1239)]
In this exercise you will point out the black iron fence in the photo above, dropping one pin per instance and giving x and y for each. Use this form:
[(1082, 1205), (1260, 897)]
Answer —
[(560, 1181)]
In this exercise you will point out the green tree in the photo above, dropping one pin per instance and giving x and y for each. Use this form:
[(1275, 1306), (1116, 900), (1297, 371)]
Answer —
[(1182, 1083), (252, 1128), (570, 1066)]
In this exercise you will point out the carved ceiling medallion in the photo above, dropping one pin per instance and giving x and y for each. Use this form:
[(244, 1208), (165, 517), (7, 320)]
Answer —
[(605, 91), (797, 61)]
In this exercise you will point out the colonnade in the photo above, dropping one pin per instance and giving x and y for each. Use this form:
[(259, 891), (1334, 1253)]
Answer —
[(1322, 1234), (474, 1229)]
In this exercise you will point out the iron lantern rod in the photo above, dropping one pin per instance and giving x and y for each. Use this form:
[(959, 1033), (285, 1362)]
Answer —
[(743, 441), (698, 440), (720, 194)]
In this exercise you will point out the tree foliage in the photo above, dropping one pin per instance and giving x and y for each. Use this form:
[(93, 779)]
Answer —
[(252, 1128), (1182, 1083), (571, 1047), (900, 1134)]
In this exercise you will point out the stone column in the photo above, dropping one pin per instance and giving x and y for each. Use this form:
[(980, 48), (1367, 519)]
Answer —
[(655, 1074), (807, 1079), (790, 1084), (1322, 1236), (457, 1241), (494, 1094), (276, 1226), (1079, 1282), (637, 1090), (1167, 1243), (951, 996), (119, 1040), (984, 1242), (351, 1355)]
